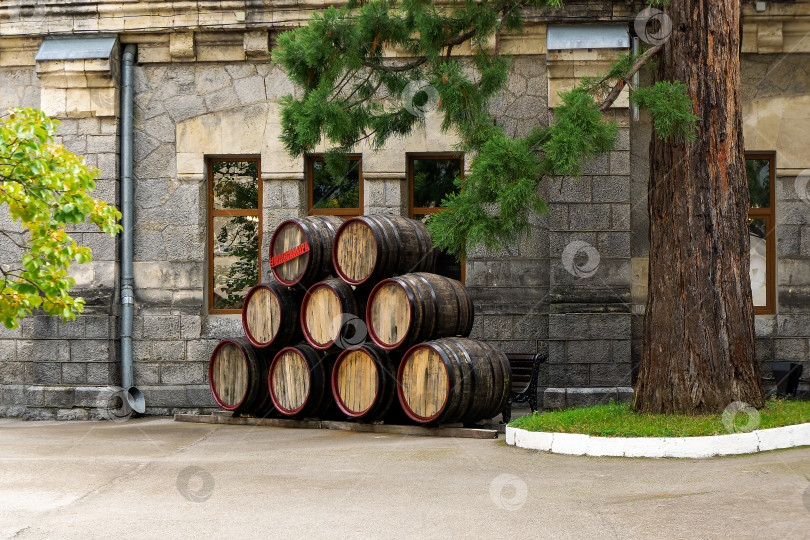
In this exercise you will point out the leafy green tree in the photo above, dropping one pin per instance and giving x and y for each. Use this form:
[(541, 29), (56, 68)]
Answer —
[(45, 188), (354, 91)]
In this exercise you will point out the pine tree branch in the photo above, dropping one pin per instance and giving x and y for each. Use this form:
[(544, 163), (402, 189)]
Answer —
[(343, 82), (625, 80), (418, 62), (366, 136), (358, 86), (458, 40), (352, 104), (497, 52), (396, 69)]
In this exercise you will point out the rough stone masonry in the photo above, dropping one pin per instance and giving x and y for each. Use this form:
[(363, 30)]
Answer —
[(205, 86)]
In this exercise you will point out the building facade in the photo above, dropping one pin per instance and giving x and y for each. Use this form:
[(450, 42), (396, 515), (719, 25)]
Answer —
[(207, 122)]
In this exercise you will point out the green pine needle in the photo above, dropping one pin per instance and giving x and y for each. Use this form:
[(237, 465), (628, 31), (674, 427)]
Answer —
[(351, 92)]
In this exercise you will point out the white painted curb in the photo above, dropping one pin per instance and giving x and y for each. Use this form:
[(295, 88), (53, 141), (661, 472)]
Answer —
[(658, 447)]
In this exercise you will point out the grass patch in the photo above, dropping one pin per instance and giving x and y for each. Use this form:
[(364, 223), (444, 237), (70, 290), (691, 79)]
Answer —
[(617, 420)]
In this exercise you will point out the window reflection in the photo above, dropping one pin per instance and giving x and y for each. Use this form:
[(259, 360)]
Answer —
[(759, 182), (235, 235), (758, 233), (236, 185), (433, 180), (236, 259), (337, 189)]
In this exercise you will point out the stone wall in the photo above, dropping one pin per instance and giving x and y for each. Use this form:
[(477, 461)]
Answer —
[(589, 318), (776, 94), (202, 102), (640, 133), (185, 111), (574, 288), (510, 287), (49, 368)]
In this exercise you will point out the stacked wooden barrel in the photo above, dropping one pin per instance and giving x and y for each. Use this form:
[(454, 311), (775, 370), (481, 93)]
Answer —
[(384, 338), (236, 374)]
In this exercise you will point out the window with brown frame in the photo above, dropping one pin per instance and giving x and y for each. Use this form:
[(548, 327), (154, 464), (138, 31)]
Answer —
[(335, 193), (235, 230), (431, 178), (760, 167)]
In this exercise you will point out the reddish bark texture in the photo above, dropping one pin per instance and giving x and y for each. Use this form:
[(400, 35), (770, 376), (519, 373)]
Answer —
[(698, 352)]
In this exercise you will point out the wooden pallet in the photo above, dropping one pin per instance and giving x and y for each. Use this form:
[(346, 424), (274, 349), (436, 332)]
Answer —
[(228, 419)]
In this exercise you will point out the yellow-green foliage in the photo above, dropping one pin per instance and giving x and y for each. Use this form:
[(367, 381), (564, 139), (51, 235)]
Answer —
[(45, 188)]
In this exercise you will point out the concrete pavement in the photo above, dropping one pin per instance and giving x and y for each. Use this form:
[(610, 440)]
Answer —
[(154, 478)]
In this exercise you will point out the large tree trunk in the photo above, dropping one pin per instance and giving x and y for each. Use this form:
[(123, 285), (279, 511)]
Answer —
[(698, 353)]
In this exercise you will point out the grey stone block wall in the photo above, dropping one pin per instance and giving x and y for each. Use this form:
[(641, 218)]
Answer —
[(510, 287), (174, 335), (640, 134), (385, 195), (589, 327), (563, 398), (533, 296), (52, 369), (19, 87), (784, 337), (46, 359)]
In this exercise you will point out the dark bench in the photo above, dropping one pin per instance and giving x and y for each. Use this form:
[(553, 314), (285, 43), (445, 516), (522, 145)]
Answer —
[(525, 377)]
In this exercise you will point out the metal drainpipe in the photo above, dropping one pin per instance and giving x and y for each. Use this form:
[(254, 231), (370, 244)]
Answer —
[(134, 397), (635, 79)]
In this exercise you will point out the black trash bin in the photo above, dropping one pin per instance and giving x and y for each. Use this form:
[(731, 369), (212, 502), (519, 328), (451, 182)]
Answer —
[(787, 376)]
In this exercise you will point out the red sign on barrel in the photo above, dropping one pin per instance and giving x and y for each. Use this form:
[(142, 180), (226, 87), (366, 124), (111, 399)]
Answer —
[(289, 255)]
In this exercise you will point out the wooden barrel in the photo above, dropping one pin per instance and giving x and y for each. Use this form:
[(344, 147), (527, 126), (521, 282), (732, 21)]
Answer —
[(418, 307), (369, 248), (270, 315), (298, 381), (364, 382), (237, 375), (332, 316), (301, 249), (453, 380)]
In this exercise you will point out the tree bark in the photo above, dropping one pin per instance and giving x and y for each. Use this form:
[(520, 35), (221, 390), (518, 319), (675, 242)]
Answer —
[(698, 353)]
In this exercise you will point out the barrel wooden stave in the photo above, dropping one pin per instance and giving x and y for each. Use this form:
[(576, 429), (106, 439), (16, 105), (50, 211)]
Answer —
[(409, 309), (364, 382), (270, 315), (330, 313), (236, 375), (372, 247), (314, 265), (453, 380), (299, 381)]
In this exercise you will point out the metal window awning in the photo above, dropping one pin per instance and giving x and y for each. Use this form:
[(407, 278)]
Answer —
[(76, 48), (587, 36)]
